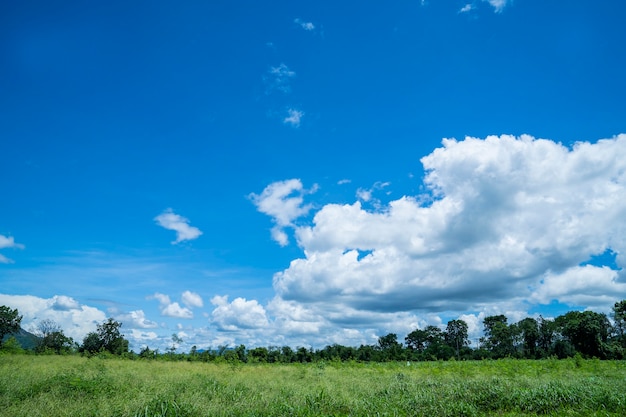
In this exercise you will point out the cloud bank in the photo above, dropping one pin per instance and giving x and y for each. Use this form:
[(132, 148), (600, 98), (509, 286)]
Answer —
[(505, 223)]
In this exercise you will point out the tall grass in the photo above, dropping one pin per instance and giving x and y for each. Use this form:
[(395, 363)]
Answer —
[(75, 386)]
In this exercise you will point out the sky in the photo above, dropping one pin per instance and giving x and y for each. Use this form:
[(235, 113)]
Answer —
[(306, 173)]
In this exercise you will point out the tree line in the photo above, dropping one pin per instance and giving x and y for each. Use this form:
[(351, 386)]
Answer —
[(585, 333)]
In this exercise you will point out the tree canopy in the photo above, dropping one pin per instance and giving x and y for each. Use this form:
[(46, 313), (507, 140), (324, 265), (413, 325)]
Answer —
[(10, 321)]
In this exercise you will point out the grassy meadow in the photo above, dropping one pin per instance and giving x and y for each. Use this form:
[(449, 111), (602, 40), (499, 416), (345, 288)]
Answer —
[(78, 386)]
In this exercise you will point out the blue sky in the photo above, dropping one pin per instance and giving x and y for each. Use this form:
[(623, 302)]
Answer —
[(306, 173)]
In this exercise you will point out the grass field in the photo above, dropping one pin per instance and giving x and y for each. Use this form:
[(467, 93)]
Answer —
[(76, 386)]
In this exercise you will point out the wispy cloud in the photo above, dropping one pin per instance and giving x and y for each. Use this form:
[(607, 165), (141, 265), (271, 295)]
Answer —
[(366, 194), (467, 8), (293, 118), (279, 79), (498, 5), (8, 242), (172, 221), (308, 26)]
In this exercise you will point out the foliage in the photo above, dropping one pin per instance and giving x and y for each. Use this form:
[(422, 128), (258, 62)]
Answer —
[(586, 331), (9, 321), (77, 386), (107, 338), (52, 339), (456, 335), (619, 318), (498, 336), (12, 345)]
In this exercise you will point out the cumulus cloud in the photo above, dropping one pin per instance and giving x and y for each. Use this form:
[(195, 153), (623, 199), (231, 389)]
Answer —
[(137, 320), (8, 242), (239, 314), (505, 222), (172, 221), (308, 26), (75, 319), (284, 202), (64, 303), (192, 299), (293, 118), (175, 310), (172, 309)]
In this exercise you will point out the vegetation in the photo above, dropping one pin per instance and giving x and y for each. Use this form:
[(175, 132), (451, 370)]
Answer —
[(587, 333), (9, 322), (72, 385), (433, 373)]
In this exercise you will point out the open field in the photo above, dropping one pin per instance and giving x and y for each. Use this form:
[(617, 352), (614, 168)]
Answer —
[(76, 386)]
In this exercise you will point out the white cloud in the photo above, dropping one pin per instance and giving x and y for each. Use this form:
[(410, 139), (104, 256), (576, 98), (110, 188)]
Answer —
[(172, 221), (498, 5), (366, 194), (467, 8), (141, 337), (240, 314), (192, 299), (308, 26), (506, 222), (279, 79), (137, 319), (161, 298), (75, 322), (172, 309), (8, 242), (284, 202), (587, 285), (176, 311), (293, 118), (64, 303)]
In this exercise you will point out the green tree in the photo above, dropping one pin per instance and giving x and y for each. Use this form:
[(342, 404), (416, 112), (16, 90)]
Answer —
[(12, 345), (390, 348), (107, 338), (111, 337), (619, 318), (10, 321), (587, 331), (547, 331), (456, 336), (287, 355), (259, 354), (416, 340), (498, 336), (528, 329), (91, 343), (176, 341), (52, 339)]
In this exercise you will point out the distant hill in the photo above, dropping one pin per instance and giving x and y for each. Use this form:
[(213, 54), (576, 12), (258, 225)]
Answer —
[(26, 339)]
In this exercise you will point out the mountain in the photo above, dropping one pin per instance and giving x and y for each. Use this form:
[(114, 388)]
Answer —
[(26, 339)]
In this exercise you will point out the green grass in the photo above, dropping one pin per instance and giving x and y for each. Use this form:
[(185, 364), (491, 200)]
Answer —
[(75, 386)]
